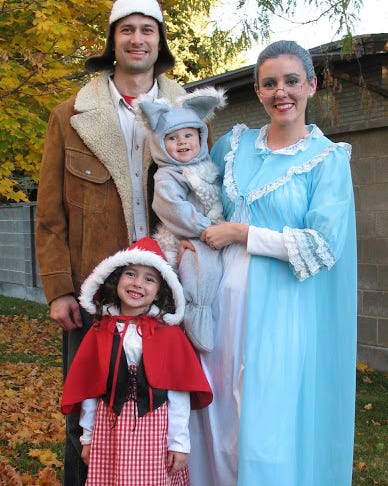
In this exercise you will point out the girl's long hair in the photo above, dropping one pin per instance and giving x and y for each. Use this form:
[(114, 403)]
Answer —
[(107, 295)]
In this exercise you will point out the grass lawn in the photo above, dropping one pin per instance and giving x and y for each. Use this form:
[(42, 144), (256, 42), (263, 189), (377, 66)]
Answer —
[(32, 428)]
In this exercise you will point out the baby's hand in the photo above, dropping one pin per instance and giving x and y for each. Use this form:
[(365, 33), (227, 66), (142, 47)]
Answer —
[(176, 461), (184, 245)]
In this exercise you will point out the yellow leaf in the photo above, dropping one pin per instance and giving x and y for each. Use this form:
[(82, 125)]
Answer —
[(45, 456), (368, 406), (362, 367)]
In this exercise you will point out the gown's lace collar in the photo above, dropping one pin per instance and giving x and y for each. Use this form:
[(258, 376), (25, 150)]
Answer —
[(300, 145), (230, 183)]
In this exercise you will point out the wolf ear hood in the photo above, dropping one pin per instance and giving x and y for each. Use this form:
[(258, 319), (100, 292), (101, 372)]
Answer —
[(197, 107), (192, 110)]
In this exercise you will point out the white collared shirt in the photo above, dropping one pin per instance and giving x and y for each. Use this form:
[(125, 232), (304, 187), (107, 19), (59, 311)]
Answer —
[(134, 135)]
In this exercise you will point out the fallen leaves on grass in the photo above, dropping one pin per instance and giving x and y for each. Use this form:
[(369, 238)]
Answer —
[(45, 456), (47, 477), (20, 335), (29, 397), (30, 389), (371, 428), (8, 476)]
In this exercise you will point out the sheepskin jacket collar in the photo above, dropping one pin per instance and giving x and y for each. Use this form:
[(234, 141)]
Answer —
[(98, 125)]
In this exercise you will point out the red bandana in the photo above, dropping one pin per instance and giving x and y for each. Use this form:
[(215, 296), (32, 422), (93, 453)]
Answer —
[(129, 99)]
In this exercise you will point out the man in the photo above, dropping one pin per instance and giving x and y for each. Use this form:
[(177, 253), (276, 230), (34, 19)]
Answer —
[(96, 181)]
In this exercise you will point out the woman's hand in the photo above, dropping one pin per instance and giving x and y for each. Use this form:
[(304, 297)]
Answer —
[(176, 461), (224, 234)]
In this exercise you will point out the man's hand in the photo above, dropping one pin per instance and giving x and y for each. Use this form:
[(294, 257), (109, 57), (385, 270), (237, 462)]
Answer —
[(65, 310)]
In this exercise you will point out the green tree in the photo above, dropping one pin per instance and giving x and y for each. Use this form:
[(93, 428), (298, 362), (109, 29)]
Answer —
[(43, 45)]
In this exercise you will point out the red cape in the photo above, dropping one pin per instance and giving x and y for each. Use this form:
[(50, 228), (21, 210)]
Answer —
[(169, 360)]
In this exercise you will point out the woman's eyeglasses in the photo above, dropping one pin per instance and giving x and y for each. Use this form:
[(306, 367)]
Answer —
[(290, 87)]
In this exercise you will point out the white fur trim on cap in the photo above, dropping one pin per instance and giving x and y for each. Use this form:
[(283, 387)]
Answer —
[(123, 8), (135, 256)]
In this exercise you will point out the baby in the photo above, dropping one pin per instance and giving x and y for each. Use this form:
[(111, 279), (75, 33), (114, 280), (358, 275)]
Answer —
[(187, 198)]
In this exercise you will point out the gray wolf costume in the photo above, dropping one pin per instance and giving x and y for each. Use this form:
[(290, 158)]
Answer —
[(187, 199)]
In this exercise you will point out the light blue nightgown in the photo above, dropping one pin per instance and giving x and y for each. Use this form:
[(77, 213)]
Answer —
[(283, 369)]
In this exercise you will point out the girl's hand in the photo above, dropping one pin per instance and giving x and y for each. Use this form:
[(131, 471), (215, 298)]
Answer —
[(176, 461), (85, 454), (224, 234)]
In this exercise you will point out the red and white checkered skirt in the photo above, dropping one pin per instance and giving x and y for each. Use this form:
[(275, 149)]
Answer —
[(133, 452)]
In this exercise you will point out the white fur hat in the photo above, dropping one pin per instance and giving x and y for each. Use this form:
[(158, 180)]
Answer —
[(146, 251), (123, 8)]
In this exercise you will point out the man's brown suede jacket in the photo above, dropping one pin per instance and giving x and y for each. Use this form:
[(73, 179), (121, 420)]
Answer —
[(84, 199)]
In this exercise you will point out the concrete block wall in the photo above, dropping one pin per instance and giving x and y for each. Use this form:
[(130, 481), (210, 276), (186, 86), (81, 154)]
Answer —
[(19, 275), (370, 180), (243, 107)]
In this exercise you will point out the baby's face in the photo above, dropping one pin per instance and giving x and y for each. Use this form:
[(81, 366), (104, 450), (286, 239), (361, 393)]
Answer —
[(183, 144)]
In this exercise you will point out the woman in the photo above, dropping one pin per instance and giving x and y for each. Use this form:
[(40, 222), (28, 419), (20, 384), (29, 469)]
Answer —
[(283, 367)]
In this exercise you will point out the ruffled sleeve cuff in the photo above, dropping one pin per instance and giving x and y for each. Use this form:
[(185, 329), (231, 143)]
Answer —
[(308, 252)]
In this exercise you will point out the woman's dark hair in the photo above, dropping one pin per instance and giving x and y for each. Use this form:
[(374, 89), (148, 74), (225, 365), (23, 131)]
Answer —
[(107, 295), (290, 48)]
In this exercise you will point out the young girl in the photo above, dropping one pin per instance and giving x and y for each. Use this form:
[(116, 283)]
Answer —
[(135, 373)]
